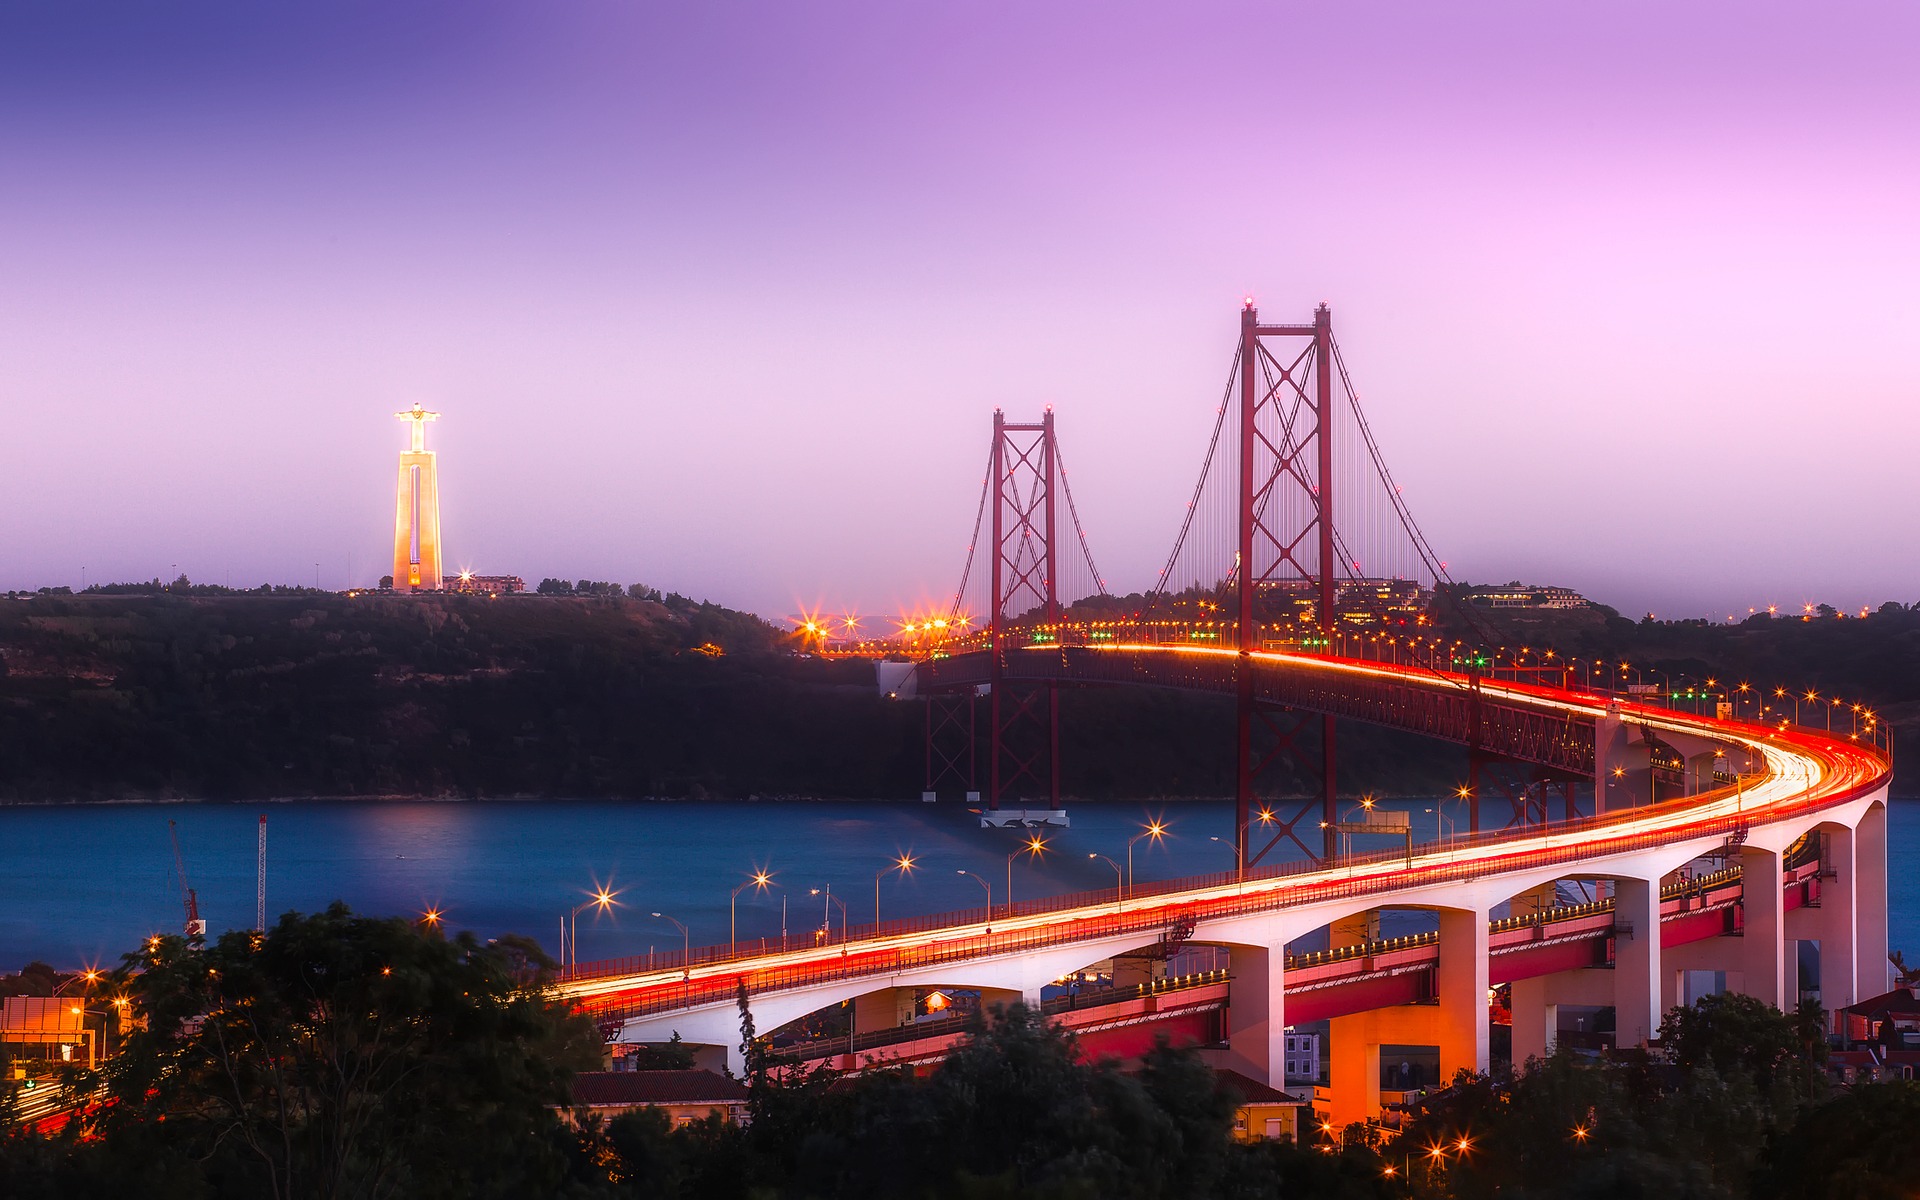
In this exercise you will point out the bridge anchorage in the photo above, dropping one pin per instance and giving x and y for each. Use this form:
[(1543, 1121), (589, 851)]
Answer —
[(1713, 852)]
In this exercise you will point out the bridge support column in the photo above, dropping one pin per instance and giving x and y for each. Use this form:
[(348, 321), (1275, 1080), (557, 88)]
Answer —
[(1133, 971), (1354, 1060), (1536, 1020), (1536, 1007), (1358, 929), (1696, 969), (992, 998), (1872, 976), (1461, 985), (1256, 1013), (884, 1009), (1700, 769), (1763, 959), (1622, 772), (1834, 922), (1637, 975)]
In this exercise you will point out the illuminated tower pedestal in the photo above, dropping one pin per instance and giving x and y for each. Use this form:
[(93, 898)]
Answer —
[(416, 521)]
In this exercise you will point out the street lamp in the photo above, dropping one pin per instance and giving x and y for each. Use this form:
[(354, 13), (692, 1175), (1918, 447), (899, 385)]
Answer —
[(1034, 845), (983, 883), (904, 865), (827, 910), (1155, 830), (1119, 896), (686, 957), (686, 940), (601, 899), (86, 979), (1239, 866), (761, 880)]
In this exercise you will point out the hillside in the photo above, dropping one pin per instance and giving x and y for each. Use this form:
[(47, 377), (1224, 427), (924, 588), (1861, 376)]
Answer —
[(296, 693)]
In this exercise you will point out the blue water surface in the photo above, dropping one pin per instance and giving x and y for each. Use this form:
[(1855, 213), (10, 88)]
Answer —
[(84, 884)]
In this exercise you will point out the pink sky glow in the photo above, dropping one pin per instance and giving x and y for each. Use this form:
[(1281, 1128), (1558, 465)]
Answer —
[(721, 297)]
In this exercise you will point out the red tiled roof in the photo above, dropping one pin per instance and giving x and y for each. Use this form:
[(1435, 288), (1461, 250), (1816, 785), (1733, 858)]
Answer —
[(1252, 1091), (596, 1089), (1899, 1000)]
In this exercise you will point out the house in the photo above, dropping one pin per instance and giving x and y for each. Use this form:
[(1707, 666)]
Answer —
[(1262, 1111), (685, 1096), (1891, 1019)]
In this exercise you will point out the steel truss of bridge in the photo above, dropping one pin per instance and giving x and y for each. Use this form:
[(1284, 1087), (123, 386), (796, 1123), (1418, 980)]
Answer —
[(1671, 791)]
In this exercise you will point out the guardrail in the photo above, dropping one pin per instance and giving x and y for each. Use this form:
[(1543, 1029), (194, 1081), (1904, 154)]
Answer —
[(879, 950), (1084, 1001), (1595, 827)]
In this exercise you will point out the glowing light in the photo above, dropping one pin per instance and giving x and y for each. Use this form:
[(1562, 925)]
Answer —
[(431, 916), (938, 1002)]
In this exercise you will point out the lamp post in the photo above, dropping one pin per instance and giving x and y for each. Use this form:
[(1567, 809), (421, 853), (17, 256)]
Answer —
[(826, 918), (1155, 830), (904, 865), (686, 955), (761, 880), (603, 900), (1239, 868), (1119, 896), (86, 979), (1034, 846), (983, 883)]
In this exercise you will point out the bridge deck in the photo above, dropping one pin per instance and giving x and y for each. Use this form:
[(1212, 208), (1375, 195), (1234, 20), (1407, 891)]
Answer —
[(1805, 772)]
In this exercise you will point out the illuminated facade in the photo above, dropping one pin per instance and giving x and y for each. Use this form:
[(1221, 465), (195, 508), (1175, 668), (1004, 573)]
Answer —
[(416, 521), (486, 585)]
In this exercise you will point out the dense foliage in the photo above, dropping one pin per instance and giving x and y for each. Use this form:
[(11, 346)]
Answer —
[(346, 1057), (183, 694), (335, 1056), (596, 690)]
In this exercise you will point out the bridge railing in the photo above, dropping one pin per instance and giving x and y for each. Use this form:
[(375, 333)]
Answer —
[(1353, 877), (1442, 659), (1813, 741)]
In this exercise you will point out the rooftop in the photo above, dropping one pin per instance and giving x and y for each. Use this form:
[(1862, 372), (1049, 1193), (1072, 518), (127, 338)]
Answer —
[(596, 1089)]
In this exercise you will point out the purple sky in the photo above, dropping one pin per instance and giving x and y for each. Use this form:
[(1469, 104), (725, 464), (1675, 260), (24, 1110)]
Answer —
[(720, 297)]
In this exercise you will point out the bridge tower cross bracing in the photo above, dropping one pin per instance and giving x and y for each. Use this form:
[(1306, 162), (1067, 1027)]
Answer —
[(1023, 723), (1259, 540)]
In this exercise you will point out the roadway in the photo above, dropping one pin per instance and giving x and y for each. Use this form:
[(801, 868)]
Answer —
[(1802, 773)]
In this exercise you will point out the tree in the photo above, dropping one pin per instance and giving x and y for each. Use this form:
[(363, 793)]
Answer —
[(1858, 1146), (1737, 1034), (339, 1056)]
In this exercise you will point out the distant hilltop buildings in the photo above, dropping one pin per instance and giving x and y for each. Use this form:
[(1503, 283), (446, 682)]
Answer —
[(1523, 595)]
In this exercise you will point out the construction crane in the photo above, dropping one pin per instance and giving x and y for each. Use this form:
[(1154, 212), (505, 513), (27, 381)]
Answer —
[(195, 926), (260, 883)]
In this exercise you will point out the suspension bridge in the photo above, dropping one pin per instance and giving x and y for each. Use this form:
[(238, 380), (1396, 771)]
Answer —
[(1298, 585)]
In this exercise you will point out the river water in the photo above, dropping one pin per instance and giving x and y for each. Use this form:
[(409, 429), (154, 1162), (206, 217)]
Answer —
[(83, 884)]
